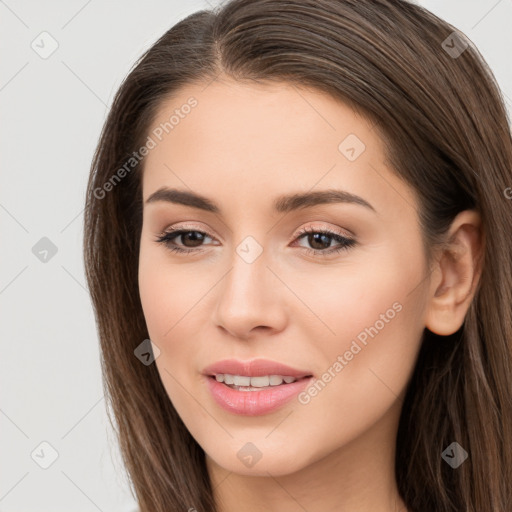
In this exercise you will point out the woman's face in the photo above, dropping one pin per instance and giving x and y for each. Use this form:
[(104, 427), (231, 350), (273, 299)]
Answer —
[(264, 279)]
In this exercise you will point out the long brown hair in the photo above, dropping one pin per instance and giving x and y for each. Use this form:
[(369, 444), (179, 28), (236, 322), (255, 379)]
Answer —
[(447, 135)]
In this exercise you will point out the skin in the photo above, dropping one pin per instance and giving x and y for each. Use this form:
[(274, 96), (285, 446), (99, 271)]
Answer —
[(242, 146)]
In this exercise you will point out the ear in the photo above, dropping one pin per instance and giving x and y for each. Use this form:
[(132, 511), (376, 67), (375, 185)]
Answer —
[(455, 275)]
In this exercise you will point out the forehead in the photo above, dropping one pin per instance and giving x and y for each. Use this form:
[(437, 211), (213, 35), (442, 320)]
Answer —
[(263, 140)]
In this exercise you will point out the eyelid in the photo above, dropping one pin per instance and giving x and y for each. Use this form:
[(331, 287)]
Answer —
[(309, 228), (185, 227), (344, 242), (343, 232)]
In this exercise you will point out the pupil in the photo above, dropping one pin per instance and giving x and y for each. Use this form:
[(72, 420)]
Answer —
[(194, 237), (315, 237)]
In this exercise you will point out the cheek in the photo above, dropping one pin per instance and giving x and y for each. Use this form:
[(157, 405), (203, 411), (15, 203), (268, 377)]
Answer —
[(361, 381), (167, 292), (341, 302), (176, 301), (169, 296), (368, 353)]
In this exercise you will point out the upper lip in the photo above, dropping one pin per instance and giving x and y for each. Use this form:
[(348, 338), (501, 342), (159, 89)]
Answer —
[(254, 368)]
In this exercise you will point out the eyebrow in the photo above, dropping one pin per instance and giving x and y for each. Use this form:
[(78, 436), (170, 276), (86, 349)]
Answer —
[(283, 204)]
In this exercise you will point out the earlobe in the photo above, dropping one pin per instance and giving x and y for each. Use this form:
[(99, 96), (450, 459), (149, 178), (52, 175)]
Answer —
[(456, 275)]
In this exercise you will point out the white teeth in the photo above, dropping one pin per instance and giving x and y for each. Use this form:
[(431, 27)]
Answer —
[(255, 382), (228, 379), (241, 381), (276, 380), (260, 382)]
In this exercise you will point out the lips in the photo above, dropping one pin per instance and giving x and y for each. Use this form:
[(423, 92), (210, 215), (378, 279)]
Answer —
[(248, 400), (254, 368)]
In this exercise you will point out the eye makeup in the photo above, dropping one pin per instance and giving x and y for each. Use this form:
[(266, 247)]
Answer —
[(313, 235)]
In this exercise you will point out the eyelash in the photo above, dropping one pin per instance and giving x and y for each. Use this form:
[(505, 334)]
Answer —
[(345, 243)]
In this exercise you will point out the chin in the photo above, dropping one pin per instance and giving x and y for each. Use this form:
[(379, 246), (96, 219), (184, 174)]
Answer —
[(250, 461)]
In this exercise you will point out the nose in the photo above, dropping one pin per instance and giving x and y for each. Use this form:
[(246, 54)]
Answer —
[(251, 299)]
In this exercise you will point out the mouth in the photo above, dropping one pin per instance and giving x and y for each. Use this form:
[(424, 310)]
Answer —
[(254, 387), (254, 395), (256, 383)]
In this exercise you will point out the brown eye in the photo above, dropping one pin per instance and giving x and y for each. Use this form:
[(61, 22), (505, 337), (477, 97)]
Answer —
[(320, 241), (193, 237), (190, 238)]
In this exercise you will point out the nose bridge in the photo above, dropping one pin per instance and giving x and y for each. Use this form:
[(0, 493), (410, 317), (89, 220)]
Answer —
[(247, 298), (247, 282)]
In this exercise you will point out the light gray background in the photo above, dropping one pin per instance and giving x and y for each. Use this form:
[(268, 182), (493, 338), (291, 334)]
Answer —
[(52, 113)]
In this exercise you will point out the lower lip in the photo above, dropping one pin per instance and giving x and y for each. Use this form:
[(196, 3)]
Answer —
[(254, 403)]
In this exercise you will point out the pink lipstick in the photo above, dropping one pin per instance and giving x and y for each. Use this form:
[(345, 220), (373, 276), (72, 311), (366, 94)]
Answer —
[(254, 387)]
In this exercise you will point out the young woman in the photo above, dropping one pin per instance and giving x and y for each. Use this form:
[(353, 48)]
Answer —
[(297, 242)]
